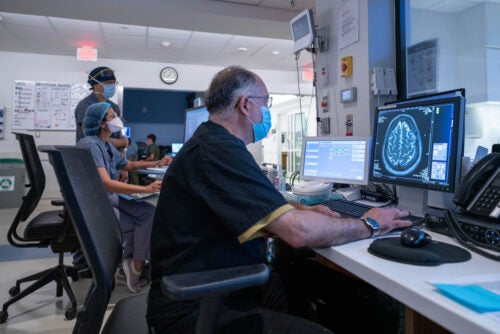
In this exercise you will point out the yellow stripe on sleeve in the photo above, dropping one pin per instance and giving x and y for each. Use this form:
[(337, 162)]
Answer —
[(257, 229)]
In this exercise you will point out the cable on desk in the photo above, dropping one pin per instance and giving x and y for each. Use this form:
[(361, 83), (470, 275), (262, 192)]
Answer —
[(466, 240), (293, 177)]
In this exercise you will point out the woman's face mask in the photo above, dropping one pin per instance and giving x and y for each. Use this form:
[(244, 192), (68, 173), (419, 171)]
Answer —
[(260, 130), (115, 124)]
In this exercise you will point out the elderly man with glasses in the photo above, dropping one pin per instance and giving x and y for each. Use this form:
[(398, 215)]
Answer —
[(216, 208)]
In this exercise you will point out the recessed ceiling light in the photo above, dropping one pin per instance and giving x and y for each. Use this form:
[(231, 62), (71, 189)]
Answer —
[(166, 44), (242, 49), (275, 52)]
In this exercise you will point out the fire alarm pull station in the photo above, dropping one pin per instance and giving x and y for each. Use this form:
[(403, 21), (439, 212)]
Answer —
[(346, 67)]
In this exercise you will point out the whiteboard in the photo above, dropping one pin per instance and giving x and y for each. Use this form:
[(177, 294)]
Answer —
[(46, 105)]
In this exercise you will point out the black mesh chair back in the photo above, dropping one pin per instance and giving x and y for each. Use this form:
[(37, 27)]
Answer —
[(96, 226), (48, 229), (36, 184), (98, 231)]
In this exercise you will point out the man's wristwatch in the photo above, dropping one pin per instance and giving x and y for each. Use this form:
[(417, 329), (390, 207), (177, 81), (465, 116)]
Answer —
[(372, 225)]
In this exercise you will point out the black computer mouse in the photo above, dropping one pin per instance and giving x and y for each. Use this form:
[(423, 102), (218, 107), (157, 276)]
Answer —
[(414, 237)]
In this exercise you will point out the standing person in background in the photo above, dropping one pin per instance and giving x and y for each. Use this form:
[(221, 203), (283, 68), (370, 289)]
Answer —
[(152, 151), (103, 83), (135, 217)]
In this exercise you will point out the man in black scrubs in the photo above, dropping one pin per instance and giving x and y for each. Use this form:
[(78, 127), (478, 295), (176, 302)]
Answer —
[(216, 207)]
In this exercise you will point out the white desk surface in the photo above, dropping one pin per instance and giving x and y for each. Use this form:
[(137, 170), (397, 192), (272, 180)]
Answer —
[(408, 283)]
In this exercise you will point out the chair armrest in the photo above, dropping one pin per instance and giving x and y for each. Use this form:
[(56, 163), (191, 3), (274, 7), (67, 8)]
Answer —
[(57, 202), (212, 282)]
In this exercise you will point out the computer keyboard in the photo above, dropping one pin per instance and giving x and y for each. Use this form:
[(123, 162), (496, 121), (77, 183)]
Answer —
[(138, 196), (143, 195), (353, 209), (345, 207)]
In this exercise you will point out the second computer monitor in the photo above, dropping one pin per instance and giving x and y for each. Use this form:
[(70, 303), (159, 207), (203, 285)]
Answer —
[(335, 159), (175, 148), (419, 143), (194, 117)]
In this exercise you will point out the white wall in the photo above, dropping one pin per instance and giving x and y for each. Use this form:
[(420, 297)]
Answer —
[(375, 47), (38, 67)]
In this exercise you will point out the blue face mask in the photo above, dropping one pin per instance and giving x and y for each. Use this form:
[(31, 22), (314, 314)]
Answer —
[(109, 90), (260, 130)]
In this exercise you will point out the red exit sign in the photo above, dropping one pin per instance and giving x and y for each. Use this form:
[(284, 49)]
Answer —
[(86, 54)]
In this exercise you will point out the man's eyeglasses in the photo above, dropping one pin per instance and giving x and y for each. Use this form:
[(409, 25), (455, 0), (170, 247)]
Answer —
[(268, 99)]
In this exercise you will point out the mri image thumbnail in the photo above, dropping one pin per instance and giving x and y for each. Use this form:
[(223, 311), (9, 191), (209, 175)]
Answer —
[(402, 148)]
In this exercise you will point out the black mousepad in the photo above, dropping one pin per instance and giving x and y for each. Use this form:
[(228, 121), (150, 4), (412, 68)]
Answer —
[(432, 254)]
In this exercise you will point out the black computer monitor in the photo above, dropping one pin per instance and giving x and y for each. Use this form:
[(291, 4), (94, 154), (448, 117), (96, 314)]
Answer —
[(194, 117), (419, 143), (341, 160)]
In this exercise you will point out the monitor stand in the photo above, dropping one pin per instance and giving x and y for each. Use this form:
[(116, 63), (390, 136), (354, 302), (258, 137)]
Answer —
[(413, 200), (440, 200)]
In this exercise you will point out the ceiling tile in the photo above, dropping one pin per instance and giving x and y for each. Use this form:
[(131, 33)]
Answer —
[(123, 29), (62, 24), (169, 33), (212, 38), (30, 20)]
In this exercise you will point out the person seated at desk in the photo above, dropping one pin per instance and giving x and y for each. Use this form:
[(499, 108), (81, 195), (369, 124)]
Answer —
[(135, 217), (216, 207), (152, 151)]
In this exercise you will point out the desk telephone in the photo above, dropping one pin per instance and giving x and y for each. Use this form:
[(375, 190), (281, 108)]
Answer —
[(477, 224), (479, 191)]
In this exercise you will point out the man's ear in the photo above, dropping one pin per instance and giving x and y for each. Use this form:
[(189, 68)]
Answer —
[(242, 105)]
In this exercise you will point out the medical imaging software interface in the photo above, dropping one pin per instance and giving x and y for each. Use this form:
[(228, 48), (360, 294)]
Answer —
[(413, 144), (335, 160)]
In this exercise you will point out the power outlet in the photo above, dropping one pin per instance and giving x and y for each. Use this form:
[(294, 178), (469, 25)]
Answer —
[(325, 125), (348, 125)]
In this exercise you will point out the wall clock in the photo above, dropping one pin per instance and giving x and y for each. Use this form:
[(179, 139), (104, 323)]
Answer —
[(169, 75)]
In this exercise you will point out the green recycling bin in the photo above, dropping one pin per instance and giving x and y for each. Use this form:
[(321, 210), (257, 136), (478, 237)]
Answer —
[(12, 181)]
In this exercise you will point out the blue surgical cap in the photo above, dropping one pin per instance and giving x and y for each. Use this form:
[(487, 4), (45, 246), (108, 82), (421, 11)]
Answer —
[(93, 116)]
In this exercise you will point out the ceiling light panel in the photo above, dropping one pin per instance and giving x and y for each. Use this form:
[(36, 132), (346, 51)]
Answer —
[(208, 37)]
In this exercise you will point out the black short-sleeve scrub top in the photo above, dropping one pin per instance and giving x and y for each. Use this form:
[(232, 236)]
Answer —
[(212, 207)]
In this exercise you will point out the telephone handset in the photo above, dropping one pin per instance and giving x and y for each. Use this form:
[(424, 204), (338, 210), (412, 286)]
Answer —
[(479, 191)]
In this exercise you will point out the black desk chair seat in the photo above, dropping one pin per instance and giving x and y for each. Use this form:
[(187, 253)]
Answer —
[(50, 229), (98, 230)]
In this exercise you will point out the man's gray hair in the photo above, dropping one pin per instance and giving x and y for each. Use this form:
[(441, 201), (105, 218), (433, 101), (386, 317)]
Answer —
[(228, 86)]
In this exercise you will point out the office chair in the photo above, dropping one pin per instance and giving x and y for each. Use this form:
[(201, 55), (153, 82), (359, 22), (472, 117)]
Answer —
[(97, 228), (47, 229)]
